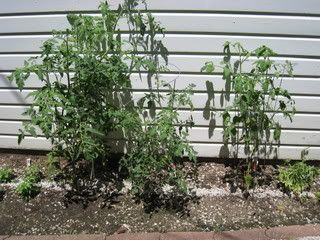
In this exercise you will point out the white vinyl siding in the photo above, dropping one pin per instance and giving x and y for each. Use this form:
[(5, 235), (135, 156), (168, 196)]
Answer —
[(195, 33)]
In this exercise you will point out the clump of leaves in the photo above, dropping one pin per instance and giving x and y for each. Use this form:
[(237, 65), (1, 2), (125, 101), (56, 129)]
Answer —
[(257, 98), (160, 143), (28, 188), (248, 181), (53, 166), (33, 174), (298, 177), (6, 175)]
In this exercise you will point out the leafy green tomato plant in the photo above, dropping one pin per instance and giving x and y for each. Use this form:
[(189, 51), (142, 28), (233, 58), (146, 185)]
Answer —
[(298, 177), (254, 87), (27, 189), (85, 77), (159, 145), (6, 175), (159, 141)]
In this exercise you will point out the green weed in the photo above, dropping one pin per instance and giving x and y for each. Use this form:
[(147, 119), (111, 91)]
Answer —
[(298, 177), (6, 175)]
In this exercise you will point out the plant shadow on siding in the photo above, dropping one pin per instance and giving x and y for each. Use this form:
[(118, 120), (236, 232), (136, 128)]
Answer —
[(210, 114), (20, 99), (118, 141)]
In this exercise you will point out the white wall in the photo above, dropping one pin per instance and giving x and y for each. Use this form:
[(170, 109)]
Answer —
[(196, 31)]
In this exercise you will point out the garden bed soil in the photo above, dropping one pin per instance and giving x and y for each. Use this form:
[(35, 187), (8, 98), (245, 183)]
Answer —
[(216, 210)]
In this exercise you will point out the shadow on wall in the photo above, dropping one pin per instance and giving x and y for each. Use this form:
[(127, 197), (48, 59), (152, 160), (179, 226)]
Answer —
[(12, 90)]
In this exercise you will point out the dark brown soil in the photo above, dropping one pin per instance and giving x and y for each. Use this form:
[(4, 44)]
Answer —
[(19, 161), (47, 213)]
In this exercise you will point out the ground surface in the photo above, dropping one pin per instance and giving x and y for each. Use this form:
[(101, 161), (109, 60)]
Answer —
[(217, 209), (299, 232)]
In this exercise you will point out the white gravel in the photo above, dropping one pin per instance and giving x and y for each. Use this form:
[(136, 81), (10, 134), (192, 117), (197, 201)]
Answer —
[(310, 238), (259, 192)]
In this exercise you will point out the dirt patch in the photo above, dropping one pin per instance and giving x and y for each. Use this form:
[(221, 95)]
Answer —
[(19, 161), (47, 213)]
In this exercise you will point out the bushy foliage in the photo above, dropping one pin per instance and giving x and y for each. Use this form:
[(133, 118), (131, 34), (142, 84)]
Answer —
[(80, 71), (28, 188), (159, 144), (33, 174), (158, 141), (85, 73), (298, 177), (6, 175)]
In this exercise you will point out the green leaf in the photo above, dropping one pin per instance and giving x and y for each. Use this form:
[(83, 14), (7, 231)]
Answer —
[(277, 133), (32, 131), (226, 72), (283, 106), (96, 132), (265, 85), (208, 67), (72, 19)]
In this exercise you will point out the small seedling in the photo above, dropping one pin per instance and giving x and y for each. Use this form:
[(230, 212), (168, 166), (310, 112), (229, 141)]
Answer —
[(248, 181), (298, 177), (6, 175), (27, 190), (33, 174)]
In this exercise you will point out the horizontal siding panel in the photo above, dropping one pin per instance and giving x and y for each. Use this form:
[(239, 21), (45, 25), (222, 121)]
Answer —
[(29, 143), (13, 112), (293, 85), (189, 63), (204, 150), (200, 100), (283, 152), (200, 117), (214, 43), (207, 118), (205, 134), (288, 137), (183, 22), (305, 67), (283, 6), (186, 43)]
